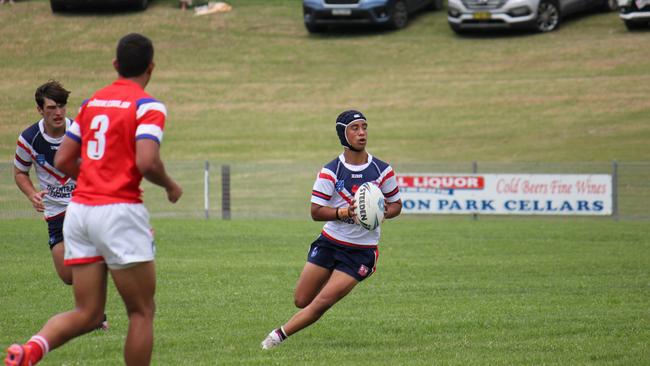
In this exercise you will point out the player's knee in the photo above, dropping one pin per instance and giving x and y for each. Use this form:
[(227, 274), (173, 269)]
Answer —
[(66, 277), (91, 317), (146, 310), (301, 302)]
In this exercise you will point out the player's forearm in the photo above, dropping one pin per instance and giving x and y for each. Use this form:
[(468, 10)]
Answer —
[(324, 213), (393, 209), (156, 174), (150, 165), (67, 159), (25, 184), (69, 167)]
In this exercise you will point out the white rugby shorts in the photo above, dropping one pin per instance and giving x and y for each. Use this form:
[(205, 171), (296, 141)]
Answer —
[(118, 234)]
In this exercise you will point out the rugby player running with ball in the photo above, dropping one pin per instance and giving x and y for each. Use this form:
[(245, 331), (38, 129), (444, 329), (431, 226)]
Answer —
[(344, 254)]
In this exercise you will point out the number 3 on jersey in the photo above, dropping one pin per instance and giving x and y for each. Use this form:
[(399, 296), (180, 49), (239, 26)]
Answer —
[(96, 147)]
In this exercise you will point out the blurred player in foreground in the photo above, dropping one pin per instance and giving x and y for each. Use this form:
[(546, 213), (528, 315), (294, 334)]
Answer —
[(111, 146), (345, 253)]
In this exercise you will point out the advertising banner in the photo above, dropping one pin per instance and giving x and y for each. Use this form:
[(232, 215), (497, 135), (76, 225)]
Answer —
[(507, 194)]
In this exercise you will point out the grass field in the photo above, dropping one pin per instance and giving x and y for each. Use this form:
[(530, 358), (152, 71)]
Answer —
[(447, 292)]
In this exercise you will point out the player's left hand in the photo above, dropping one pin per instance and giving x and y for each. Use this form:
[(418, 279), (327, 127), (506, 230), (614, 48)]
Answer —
[(37, 200), (174, 192)]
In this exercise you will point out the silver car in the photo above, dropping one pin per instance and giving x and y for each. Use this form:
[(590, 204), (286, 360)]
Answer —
[(541, 15), (635, 13)]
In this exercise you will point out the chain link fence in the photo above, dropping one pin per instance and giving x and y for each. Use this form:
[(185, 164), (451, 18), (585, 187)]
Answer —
[(283, 190)]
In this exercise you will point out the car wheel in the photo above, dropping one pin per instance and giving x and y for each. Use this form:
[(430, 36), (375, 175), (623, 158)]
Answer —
[(548, 16), (632, 26), (313, 28), (610, 5), (456, 28), (436, 5), (57, 6), (399, 15), (141, 4)]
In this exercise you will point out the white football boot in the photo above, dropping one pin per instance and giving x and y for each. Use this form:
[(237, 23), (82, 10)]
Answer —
[(272, 340)]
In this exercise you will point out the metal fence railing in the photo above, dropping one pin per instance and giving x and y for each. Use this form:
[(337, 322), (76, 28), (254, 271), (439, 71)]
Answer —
[(282, 190)]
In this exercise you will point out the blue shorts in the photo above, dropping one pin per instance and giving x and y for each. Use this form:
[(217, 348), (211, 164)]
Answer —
[(359, 263), (55, 230)]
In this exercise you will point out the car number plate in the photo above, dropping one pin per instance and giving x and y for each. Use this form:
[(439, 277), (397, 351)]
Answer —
[(341, 12), (482, 15)]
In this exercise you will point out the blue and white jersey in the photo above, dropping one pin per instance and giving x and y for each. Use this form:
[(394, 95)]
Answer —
[(35, 146), (335, 186)]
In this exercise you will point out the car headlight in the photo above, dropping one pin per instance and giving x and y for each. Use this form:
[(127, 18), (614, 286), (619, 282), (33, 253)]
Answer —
[(381, 12), (453, 12), (519, 11)]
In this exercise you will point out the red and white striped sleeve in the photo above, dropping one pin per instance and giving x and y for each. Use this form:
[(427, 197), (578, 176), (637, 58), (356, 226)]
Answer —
[(323, 189), (388, 185), (23, 157)]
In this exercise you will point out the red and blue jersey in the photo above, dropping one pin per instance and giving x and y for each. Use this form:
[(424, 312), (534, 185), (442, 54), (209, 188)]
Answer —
[(107, 127), (335, 186)]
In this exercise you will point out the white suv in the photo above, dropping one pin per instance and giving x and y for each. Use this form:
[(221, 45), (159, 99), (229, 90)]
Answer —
[(635, 13), (542, 15)]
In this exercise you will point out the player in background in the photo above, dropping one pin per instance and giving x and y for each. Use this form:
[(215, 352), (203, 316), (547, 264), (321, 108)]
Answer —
[(345, 253), (36, 146), (111, 146)]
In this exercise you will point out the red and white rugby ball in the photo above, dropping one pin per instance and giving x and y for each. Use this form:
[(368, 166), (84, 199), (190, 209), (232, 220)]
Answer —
[(370, 206)]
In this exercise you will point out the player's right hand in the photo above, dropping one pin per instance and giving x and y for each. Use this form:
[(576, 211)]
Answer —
[(174, 192), (351, 211), (37, 200)]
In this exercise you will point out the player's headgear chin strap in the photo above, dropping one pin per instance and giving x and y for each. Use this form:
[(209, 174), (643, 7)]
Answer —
[(343, 121)]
